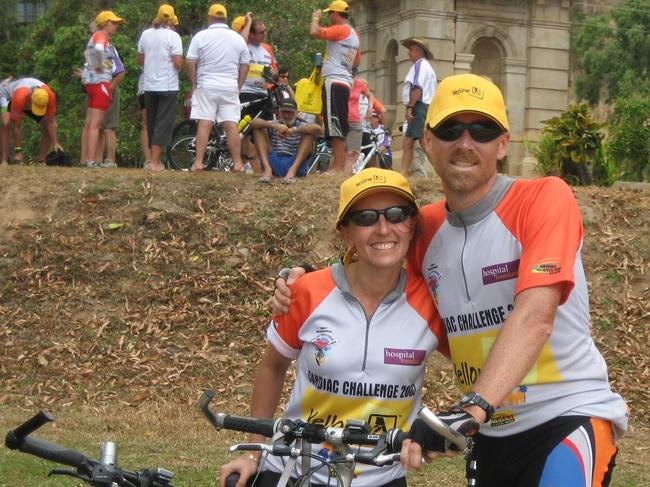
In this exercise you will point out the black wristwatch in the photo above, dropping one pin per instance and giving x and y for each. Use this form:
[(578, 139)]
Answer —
[(474, 399)]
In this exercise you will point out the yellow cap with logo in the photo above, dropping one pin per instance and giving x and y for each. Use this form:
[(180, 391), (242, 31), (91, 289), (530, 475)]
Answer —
[(467, 93), (368, 181), (40, 99)]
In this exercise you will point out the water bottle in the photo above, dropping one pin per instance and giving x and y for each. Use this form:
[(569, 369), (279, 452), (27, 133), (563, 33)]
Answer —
[(244, 122), (318, 59)]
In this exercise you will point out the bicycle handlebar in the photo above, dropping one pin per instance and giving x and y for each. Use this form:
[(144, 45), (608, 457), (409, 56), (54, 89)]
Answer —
[(353, 434), (91, 471)]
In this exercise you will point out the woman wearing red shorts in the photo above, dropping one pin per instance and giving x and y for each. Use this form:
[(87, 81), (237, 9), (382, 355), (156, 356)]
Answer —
[(97, 77)]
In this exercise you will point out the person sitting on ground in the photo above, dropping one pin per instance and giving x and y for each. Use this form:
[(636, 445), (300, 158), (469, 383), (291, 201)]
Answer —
[(285, 144), (383, 140), (366, 296), (34, 98), (282, 82)]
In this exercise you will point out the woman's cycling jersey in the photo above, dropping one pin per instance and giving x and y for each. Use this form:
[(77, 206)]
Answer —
[(522, 234), (353, 367)]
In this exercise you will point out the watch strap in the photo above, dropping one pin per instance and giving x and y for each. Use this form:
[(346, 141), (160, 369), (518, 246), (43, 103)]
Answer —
[(474, 399)]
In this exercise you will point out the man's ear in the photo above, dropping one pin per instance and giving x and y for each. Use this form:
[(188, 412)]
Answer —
[(503, 146)]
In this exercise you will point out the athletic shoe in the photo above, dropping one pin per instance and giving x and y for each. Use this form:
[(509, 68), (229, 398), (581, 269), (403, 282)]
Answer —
[(92, 165), (248, 169), (107, 163)]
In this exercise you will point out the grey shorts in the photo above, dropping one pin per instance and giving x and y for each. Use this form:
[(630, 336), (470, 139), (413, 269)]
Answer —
[(353, 140), (112, 119), (415, 128)]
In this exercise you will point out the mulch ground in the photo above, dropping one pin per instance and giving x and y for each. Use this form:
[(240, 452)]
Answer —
[(117, 285)]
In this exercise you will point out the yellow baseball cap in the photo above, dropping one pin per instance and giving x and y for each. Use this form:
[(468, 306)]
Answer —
[(40, 99), (368, 181), (239, 23), (107, 16), (218, 10), (467, 93), (165, 12), (338, 6)]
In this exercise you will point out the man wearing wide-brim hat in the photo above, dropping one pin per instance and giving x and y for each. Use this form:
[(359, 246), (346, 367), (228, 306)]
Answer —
[(417, 92)]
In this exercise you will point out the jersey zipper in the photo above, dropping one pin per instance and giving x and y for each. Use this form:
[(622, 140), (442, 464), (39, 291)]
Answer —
[(365, 341), (462, 257)]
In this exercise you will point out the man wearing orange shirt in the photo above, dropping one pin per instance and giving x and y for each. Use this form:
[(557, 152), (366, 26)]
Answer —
[(34, 98), (341, 56)]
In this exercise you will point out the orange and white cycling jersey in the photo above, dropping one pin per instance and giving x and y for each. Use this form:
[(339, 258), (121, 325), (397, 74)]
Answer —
[(353, 367), (342, 52), (522, 234), (261, 57)]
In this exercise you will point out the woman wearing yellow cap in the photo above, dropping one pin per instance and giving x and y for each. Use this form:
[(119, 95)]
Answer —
[(360, 332), (160, 53), (96, 77)]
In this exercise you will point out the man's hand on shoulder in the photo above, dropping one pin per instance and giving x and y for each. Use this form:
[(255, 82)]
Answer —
[(281, 299)]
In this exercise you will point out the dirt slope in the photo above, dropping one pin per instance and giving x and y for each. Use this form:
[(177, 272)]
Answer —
[(119, 285)]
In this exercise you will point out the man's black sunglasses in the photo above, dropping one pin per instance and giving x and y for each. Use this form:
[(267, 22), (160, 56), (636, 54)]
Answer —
[(367, 218), (451, 130)]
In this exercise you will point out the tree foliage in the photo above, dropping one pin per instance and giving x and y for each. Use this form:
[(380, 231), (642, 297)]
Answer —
[(613, 49), (613, 57), (50, 48)]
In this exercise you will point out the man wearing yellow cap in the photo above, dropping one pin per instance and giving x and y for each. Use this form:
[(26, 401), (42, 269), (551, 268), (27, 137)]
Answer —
[(341, 56), (217, 64), (34, 98), (502, 261)]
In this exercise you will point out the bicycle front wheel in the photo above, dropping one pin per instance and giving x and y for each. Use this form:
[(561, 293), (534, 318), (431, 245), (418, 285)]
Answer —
[(384, 161), (182, 152)]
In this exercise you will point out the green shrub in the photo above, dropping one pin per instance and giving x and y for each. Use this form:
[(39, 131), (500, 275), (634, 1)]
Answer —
[(628, 144), (571, 147)]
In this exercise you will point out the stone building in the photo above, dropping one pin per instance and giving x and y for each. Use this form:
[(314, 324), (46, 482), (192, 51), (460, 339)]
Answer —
[(522, 45)]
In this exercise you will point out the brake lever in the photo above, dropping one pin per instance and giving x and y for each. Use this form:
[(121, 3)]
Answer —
[(68, 472)]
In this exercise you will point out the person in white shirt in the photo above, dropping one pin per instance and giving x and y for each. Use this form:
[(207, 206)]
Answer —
[(417, 93), (160, 52), (217, 65)]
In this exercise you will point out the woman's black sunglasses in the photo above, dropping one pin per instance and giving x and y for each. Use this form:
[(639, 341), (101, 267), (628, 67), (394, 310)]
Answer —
[(367, 218), (451, 130)]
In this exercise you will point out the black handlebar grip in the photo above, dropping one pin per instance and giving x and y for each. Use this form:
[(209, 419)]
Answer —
[(52, 452), (395, 438), (14, 438), (265, 427), (360, 438)]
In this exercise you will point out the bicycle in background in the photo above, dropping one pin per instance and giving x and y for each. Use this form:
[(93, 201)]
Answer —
[(181, 153)]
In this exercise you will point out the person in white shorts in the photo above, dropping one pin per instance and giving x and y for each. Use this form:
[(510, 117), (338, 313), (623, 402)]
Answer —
[(217, 65)]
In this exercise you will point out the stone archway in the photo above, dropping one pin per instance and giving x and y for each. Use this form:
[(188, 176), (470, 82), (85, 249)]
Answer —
[(390, 88), (489, 60)]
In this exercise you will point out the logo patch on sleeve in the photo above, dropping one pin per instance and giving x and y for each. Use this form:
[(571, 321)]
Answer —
[(547, 266)]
